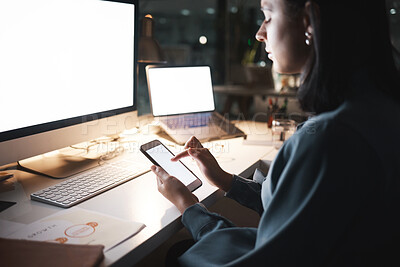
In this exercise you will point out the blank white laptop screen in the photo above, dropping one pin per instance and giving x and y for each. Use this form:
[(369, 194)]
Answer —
[(180, 90)]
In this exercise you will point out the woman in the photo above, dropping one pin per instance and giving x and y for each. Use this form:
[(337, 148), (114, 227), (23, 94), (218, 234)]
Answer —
[(332, 194)]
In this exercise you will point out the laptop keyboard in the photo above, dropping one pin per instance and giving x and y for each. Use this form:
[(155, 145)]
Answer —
[(189, 121)]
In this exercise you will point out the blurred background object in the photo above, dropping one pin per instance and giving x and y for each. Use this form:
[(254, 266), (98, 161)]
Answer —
[(150, 52), (221, 34)]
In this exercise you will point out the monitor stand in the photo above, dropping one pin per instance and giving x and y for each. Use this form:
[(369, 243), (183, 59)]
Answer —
[(59, 164)]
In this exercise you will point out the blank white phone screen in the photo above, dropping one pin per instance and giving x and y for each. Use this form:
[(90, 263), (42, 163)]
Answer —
[(163, 157)]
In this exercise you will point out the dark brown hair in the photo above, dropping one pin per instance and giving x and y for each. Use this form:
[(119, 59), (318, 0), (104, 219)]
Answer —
[(348, 36)]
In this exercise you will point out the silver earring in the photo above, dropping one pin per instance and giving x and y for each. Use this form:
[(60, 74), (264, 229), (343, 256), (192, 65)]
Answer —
[(308, 38)]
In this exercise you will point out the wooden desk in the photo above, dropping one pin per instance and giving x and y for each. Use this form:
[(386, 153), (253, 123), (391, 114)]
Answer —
[(139, 200), (243, 90)]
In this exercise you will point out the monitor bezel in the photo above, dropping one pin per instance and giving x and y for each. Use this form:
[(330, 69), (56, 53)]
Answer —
[(59, 124)]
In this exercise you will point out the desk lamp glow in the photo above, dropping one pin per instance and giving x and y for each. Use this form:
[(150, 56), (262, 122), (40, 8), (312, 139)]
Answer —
[(149, 52), (149, 49)]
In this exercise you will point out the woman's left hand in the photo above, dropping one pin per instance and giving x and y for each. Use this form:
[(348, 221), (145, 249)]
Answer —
[(173, 189)]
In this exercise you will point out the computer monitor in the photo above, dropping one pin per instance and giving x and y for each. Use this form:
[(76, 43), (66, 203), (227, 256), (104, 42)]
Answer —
[(67, 73)]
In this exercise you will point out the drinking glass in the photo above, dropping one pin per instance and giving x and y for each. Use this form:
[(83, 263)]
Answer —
[(282, 129)]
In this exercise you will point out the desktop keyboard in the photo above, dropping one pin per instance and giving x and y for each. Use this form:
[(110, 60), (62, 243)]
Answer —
[(87, 184)]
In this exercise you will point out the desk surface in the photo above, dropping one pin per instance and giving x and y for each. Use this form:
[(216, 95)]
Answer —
[(139, 200), (243, 90)]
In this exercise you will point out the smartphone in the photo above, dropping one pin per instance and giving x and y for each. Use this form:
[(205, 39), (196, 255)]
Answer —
[(161, 156)]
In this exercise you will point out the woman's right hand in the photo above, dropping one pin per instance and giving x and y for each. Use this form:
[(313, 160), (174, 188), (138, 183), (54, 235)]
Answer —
[(207, 163)]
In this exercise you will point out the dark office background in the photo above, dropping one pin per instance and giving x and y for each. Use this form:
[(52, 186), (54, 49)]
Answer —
[(229, 27)]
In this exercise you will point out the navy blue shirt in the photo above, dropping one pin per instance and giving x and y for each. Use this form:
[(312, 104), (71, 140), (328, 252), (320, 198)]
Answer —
[(331, 196)]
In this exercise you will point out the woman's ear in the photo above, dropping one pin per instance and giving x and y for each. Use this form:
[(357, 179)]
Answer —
[(311, 12)]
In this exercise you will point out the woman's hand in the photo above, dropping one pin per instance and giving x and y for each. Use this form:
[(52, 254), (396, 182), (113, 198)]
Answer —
[(207, 163), (174, 190)]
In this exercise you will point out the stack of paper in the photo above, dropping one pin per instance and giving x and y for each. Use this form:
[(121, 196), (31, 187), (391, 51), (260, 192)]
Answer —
[(79, 226)]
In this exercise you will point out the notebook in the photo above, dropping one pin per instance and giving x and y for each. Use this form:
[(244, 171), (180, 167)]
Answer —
[(182, 99)]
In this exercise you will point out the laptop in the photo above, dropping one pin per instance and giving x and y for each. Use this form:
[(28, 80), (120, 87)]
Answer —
[(182, 99)]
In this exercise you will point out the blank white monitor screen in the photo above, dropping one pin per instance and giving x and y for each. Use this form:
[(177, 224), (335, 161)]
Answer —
[(180, 90), (64, 58)]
